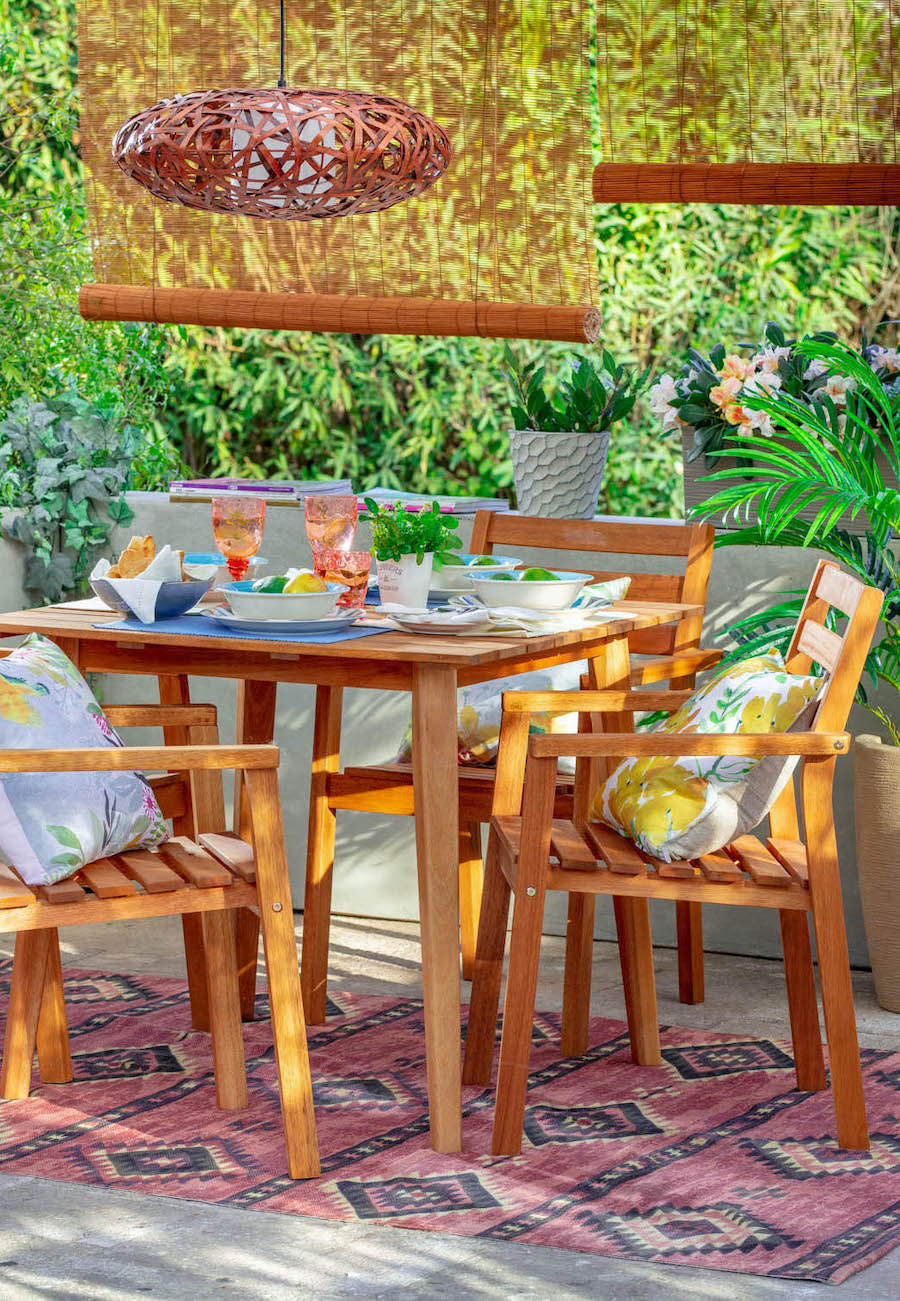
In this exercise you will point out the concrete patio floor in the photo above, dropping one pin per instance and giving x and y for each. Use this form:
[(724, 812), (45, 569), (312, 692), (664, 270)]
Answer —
[(65, 1240)]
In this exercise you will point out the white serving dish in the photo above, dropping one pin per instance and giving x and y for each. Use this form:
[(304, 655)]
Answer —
[(336, 622), (247, 604), (541, 594), (457, 578)]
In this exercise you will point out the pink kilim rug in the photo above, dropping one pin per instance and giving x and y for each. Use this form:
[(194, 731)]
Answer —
[(713, 1159)]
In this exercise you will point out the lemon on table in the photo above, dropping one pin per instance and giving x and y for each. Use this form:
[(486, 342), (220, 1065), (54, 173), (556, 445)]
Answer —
[(305, 583), (538, 575)]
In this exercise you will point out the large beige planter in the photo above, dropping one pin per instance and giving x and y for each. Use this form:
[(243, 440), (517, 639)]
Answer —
[(558, 475), (876, 793)]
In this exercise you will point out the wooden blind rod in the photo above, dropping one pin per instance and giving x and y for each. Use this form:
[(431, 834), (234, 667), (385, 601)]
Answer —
[(810, 184), (327, 313)]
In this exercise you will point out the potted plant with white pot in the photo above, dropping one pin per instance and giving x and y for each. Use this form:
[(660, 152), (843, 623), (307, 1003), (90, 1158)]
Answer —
[(560, 444), (408, 545)]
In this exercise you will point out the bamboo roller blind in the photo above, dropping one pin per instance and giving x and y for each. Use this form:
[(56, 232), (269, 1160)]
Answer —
[(503, 244), (754, 101)]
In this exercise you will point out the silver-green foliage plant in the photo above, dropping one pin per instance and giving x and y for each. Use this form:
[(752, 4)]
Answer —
[(827, 458), (64, 464)]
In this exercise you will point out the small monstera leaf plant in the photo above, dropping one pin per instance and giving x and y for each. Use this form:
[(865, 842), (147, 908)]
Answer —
[(831, 454), (63, 468)]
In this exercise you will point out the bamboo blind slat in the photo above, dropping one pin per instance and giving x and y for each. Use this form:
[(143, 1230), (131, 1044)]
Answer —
[(327, 313), (755, 183)]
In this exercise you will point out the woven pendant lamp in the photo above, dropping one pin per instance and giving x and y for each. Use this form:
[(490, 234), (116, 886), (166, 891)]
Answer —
[(287, 155)]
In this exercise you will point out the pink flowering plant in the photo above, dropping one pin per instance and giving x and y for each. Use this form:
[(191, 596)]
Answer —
[(725, 399)]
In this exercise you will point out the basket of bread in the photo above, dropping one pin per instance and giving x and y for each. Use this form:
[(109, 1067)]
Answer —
[(149, 584)]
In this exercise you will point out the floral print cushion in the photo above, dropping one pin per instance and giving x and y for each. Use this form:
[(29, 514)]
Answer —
[(52, 824), (676, 808), (479, 710)]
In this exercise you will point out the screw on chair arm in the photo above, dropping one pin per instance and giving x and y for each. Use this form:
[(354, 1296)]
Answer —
[(177, 758), (681, 664), (683, 745), (591, 702)]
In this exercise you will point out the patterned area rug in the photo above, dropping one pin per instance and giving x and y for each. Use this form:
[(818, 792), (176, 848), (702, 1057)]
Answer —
[(713, 1159)]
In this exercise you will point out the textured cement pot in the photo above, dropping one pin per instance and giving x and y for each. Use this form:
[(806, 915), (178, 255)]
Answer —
[(876, 795), (558, 475), (403, 582)]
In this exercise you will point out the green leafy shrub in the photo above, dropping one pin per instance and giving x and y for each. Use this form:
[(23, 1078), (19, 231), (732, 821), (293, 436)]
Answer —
[(63, 469), (589, 400)]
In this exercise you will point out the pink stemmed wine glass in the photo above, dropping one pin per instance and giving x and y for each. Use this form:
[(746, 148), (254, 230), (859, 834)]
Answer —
[(238, 529)]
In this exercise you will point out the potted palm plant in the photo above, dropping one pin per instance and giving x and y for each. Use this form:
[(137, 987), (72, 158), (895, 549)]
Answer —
[(408, 544), (560, 444), (807, 485)]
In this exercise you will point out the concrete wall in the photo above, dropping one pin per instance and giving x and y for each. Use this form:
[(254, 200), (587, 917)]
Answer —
[(375, 872)]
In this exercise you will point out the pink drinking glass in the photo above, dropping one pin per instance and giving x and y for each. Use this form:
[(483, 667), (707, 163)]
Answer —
[(350, 569), (238, 528), (330, 523)]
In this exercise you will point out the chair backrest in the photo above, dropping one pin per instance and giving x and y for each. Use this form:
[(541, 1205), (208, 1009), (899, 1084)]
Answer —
[(841, 654), (691, 542)]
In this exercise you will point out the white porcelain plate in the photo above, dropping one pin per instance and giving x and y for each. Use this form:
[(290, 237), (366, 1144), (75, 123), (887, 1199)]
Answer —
[(337, 622)]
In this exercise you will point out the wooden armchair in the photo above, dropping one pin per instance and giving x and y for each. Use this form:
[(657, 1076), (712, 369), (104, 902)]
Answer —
[(674, 654), (529, 852), (204, 877)]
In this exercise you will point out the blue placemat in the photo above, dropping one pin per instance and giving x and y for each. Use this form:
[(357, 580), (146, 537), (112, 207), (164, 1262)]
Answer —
[(200, 625)]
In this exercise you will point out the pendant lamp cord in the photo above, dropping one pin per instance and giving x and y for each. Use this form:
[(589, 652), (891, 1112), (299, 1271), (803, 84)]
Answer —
[(281, 81)]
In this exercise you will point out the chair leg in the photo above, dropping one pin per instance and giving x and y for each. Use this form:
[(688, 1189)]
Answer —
[(638, 980), (285, 997), (320, 855), (518, 1023), (26, 989), (54, 1056), (224, 1009), (471, 881), (247, 959), (834, 961), (576, 1008), (488, 971), (195, 961), (689, 930), (799, 977)]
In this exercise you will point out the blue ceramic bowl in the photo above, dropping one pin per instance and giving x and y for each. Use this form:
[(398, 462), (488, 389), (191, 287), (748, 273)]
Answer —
[(172, 599)]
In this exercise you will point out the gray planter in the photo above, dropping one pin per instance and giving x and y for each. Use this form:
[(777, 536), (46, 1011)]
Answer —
[(558, 475), (696, 492), (876, 792)]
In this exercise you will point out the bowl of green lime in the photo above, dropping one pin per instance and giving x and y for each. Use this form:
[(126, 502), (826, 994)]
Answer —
[(531, 589), (459, 568)]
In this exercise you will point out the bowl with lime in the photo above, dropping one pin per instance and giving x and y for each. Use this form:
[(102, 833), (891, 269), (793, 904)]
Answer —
[(296, 594), (458, 569), (531, 589)]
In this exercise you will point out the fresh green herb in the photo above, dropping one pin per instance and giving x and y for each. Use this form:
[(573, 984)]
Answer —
[(398, 532)]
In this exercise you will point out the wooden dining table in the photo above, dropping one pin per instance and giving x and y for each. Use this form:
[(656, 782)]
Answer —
[(431, 668)]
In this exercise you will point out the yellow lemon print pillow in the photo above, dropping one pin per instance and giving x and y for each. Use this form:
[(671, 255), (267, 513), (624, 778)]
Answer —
[(678, 808)]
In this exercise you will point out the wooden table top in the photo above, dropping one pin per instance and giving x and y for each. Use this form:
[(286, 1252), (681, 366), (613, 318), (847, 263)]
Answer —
[(79, 624)]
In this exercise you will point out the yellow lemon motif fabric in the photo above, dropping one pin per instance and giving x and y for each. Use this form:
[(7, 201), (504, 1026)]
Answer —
[(678, 808)]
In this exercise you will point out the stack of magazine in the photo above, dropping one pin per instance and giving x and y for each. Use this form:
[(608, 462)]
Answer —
[(291, 490)]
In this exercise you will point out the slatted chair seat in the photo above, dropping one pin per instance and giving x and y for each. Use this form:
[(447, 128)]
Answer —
[(531, 851), (210, 877)]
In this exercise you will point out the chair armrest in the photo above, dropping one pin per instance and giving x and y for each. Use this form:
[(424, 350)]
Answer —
[(177, 758), (680, 665), (684, 745), (591, 702), (161, 715)]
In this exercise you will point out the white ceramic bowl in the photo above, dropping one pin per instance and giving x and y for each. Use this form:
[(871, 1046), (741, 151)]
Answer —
[(540, 594), (457, 578), (247, 604)]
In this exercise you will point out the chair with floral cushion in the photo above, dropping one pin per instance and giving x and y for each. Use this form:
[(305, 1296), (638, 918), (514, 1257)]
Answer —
[(684, 800), (672, 652), (87, 841)]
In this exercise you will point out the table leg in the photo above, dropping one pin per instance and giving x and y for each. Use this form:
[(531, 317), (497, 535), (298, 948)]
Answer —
[(326, 758), (435, 782), (255, 725)]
